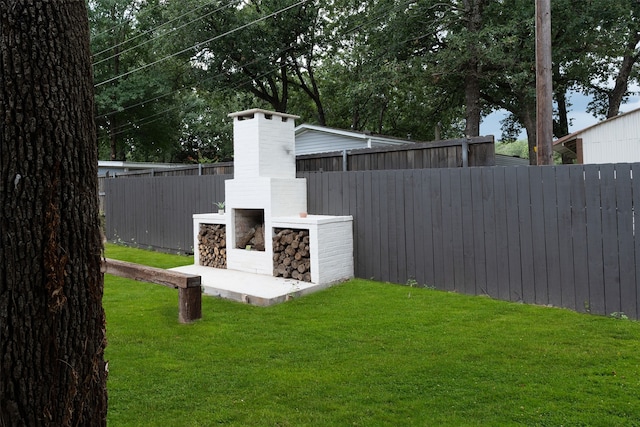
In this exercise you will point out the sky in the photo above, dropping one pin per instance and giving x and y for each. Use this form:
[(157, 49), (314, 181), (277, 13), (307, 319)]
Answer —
[(578, 115)]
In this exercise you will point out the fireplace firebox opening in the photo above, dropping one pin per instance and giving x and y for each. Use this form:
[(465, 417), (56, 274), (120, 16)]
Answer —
[(249, 229)]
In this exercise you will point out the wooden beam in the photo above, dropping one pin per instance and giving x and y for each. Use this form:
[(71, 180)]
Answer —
[(188, 285), (143, 273)]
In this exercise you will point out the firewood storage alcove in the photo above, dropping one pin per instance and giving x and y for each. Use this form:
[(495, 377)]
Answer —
[(212, 245), (291, 254)]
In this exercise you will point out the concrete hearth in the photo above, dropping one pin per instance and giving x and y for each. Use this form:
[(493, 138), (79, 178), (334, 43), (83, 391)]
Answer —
[(249, 288), (265, 195)]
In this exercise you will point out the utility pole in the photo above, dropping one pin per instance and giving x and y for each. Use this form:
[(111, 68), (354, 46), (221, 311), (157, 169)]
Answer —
[(544, 84)]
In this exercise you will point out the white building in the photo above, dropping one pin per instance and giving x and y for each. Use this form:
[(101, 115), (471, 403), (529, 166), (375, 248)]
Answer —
[(615, 140), (313, 139)]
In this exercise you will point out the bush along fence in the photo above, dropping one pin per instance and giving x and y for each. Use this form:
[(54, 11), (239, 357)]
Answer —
[(552, 235)]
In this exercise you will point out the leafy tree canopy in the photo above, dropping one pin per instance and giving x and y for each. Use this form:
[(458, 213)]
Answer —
[(168, 73)]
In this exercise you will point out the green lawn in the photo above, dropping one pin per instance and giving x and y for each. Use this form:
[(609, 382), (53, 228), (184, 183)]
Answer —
[(363, 354)]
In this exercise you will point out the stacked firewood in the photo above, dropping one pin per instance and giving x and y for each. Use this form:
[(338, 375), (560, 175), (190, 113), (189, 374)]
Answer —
[(212, 244), (291, 254), (253, 237)]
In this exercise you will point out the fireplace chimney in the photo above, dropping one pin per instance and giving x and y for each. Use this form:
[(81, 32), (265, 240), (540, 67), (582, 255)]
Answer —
[(264, 186)]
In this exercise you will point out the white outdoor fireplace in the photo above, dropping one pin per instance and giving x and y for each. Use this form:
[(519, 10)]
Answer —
[(265, 195)]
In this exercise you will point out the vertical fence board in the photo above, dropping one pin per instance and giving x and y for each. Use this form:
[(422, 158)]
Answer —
[(360, 222), (376, 224), (436, 221), (347, 194), (551, 243), (419, 244), (513, 234), (489, 226), (457, 235), (190, 191), (172, 209), (579, 237), (128, 223), (315, 192), (594, 239), (538, 234), (172, 232), (334, 184), (387, 205), (468, 232), (325, 193), (408, 185), (566, 279), (477, 211), (382, 198), (502, 237), (625, 240), (447, 231), (635, 185), (526, 235), (610, 240), (352, 202), (401, 241), (427, 229)]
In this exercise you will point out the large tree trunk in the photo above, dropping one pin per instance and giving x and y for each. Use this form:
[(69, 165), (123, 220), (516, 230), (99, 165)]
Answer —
[(561, 127), (52, 325)]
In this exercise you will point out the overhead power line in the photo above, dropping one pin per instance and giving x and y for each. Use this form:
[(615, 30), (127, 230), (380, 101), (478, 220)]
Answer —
[(158, 115), (110, 29), (234, 30), (158, 35)]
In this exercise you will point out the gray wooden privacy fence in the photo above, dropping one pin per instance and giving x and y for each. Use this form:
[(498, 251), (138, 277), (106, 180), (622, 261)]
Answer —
[(553, 235), (156, 213), (451, 153)]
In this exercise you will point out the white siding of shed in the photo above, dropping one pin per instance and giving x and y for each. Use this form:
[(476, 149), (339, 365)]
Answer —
[(614, 141), (320, 142)]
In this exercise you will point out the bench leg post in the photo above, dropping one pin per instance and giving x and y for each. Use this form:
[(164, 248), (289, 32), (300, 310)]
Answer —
[(190, 304)]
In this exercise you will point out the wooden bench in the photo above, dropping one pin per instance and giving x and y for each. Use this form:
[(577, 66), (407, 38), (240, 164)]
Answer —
[(188, 285)]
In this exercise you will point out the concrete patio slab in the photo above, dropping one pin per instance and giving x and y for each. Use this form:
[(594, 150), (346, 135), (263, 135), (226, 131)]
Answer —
[(249, 288)]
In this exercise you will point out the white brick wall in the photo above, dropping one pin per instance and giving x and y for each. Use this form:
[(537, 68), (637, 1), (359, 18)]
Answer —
[(277, 197), (210, 218), (331, 245), (264, 146), (250, 261)]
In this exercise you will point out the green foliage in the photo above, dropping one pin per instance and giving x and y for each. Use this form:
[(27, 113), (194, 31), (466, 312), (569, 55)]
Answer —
[(362, 353), (168, 73), (516, 148), (520, 149)]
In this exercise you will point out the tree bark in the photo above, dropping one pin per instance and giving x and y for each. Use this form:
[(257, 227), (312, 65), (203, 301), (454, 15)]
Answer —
[(52, 324), (561, 127), (619, 91)]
